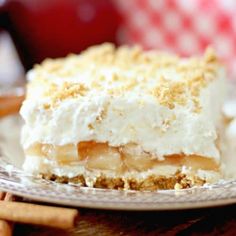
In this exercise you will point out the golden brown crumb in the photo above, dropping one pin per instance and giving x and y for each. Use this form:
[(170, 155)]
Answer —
[(194, 74), (150, 183), (169, 93)]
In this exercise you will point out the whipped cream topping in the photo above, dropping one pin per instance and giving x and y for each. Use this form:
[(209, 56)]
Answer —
[(164, 108)]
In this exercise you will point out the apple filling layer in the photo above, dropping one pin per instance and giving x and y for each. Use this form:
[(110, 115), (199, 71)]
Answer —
[(123, 159)]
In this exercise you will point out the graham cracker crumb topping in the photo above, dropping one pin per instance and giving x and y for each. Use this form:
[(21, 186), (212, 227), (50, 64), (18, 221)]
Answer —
[(116, 71)]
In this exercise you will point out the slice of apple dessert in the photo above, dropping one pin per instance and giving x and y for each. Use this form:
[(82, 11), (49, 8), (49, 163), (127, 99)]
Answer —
[(125, 118)]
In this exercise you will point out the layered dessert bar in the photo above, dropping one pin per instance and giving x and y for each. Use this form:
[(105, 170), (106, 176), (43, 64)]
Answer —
[(125, 118)]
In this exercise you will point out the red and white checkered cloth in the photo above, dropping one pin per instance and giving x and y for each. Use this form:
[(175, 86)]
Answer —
[(182, 26)]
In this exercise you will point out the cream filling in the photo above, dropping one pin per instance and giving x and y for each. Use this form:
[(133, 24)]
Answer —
[(135, 117)]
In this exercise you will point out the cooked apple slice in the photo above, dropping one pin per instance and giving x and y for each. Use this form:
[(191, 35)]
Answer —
[(100, 156)]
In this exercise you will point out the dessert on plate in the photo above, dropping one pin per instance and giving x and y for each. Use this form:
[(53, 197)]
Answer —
[(124, 118)]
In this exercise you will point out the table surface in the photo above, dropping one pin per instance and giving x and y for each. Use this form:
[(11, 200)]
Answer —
[(209, 221)]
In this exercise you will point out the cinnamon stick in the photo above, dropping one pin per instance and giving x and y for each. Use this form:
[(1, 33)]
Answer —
[(36, 214), (2, 195), (9, 197), (10, 104), (6, 227)]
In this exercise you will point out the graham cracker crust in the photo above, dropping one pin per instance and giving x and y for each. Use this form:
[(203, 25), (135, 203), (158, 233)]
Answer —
[(151, 183)]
